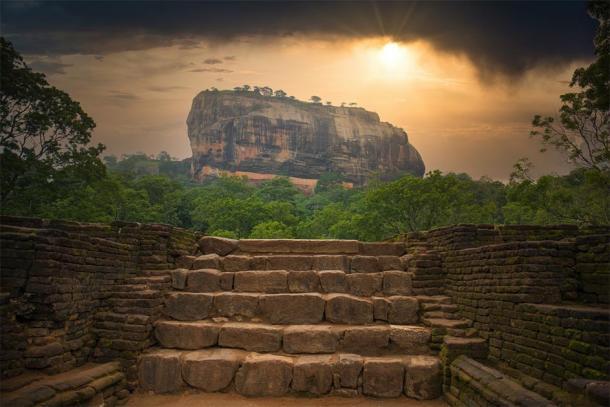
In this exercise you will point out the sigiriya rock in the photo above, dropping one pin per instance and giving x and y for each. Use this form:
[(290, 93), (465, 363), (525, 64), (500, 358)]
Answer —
[(246, 133)]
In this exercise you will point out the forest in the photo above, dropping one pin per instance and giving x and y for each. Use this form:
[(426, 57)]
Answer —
[(51, 170)]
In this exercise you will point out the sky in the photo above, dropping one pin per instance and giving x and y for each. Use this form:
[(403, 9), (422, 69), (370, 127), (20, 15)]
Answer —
[(463, 79)]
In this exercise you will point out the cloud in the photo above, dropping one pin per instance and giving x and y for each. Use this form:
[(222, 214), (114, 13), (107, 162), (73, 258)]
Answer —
[(503, 37), (116, 94), (99, 57), (212, 61), (230, 58), (165, 88), (215, 70), (219, 79), (49, 67)]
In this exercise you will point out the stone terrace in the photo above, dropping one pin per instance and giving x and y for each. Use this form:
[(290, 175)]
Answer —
[(478, 314)]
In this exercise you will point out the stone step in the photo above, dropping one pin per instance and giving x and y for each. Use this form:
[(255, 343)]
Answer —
[(98, 384), (474, 383), (430, 306), (367, 340), (440, 315), (254, 374), (292, 262), (434, 299), (386, 283), (309, 308), (446, 323)]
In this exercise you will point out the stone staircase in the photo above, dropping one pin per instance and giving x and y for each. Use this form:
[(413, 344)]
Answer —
[(277, 317)]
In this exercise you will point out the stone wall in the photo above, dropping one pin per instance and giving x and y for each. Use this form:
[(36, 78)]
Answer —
[(58, 281), (523, 297)]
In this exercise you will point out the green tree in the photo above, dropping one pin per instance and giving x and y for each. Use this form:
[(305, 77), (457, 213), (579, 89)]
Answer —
[(271, 230), (583, 128), (44, 137)]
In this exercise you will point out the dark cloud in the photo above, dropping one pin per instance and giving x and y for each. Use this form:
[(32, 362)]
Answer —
[(505, 37), (99, 57), (230, 58), (165, 88), (212, 61), (49, 67), (215, 70)]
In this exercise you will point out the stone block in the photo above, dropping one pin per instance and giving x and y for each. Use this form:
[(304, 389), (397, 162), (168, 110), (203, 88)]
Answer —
[(292, 308), (382, 248), (383, 377), (325, 262), (310, 339), (203, 280), (381, 307), (217, 245), (211, 370), (303, 282), (226, 281), (367, 340), (423, 378), (309, 246), (261, 281), (390, 263), (345, 309), (251, 337), (290, 262), (365, 264), (333, 281), (179, 278), (364, 284), (185, 262), (403, 310), (347, 371), (397, 283), (188, 306), (412, 339), (312, 375), (264, 375), (236, 305), (207, 261), (235, 263), (186, 335), (160, 371)]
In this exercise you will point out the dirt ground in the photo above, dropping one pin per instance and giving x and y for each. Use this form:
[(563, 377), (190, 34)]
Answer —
[(235, 400)]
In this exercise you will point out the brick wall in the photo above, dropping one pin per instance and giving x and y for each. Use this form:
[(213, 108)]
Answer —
[(57, 278)]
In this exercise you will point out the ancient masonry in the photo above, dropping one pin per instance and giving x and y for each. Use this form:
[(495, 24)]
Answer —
[(480, 315)]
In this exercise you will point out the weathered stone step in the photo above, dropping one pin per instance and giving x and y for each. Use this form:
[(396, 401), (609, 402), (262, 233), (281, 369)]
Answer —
[(429, 306), (385, 283), (434, 299), (446, 323), (475, 383), (440, 315), (91, 383), (254, 374), (306, 308), (368, 340), (292, 262)]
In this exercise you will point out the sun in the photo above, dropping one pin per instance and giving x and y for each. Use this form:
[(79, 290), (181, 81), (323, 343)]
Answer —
[(393, 55)]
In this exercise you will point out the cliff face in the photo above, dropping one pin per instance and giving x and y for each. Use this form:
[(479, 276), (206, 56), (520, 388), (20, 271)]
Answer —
[(242, 132)]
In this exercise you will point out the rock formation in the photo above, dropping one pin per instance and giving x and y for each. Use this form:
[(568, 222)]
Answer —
[(261, 136)]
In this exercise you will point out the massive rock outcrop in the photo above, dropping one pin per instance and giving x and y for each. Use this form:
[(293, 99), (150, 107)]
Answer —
[(246, 133)]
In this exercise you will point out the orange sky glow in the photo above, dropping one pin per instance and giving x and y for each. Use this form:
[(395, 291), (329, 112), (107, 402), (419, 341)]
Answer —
[(457, 120)]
